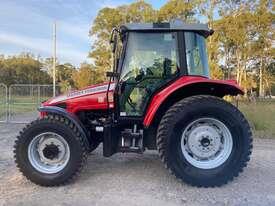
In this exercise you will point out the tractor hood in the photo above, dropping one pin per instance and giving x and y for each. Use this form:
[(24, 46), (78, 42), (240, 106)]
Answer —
[(92, 97)]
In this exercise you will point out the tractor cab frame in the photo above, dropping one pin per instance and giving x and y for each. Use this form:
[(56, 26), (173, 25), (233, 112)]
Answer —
[(148, 57)]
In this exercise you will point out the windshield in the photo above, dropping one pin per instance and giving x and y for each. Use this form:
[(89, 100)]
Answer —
[(196, 54), (149, 54)]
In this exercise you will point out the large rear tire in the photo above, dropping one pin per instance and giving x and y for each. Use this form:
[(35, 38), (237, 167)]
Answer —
[(50, 151), (204, 141)]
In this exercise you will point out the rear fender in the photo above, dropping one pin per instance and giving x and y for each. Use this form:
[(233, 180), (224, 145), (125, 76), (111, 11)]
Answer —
[(62, 112), (185, 87)]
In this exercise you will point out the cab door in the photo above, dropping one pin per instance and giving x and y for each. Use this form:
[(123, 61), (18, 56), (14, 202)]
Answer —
[(151, 61)]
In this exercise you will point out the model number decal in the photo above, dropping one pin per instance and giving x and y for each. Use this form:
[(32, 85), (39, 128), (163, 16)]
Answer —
[(79, 93), (90, 90)]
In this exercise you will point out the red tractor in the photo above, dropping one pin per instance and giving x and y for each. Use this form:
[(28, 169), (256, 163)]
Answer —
[(159, 97)]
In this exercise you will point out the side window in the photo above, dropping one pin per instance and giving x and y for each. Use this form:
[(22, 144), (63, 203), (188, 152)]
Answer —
[(151, 61), (196, 54)]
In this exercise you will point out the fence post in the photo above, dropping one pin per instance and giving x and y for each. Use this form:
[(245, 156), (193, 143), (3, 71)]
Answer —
[(9, 103), (4, 102)]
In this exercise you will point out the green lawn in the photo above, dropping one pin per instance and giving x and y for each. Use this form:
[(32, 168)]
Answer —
[(28, 99), (23, 108), (21, 104), (261, 116)]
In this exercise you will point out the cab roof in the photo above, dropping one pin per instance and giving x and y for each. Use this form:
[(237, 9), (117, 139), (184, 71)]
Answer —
[(167, 26)]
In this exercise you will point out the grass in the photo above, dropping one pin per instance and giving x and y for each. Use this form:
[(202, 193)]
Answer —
[(23, 108), (20, 104), (261, 116)]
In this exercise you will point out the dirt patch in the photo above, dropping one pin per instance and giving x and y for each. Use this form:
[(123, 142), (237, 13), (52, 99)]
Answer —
[(132, 179)]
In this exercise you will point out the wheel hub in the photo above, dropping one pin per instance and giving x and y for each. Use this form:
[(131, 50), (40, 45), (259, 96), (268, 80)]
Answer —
[(48, 152), (206, 143), (203, 141), (51, 152)]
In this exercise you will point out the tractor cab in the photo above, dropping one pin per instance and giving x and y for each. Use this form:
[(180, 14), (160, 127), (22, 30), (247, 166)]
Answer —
[(147, 57)]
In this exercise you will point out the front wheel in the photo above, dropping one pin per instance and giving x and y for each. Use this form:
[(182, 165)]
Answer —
[(50, 151), (204, 141)]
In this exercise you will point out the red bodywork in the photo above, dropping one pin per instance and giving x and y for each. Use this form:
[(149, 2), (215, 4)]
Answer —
[(90, 98), (95, 98), (184, 81)]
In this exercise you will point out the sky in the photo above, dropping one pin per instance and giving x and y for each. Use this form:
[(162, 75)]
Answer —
[(27, 26)]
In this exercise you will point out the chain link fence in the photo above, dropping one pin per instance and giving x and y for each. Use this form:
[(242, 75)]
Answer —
[(19, 102)]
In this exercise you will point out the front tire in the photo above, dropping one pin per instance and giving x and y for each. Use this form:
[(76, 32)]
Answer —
[(50, 151), (204, 141)]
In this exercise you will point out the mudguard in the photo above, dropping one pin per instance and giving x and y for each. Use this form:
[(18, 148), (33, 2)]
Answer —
[(217, 88), (70, 116)]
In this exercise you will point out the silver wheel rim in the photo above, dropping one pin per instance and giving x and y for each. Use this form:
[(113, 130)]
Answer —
[(48, 152), (206, 143)]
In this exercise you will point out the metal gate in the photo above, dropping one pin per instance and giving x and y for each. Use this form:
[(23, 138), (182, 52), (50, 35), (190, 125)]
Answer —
[(24, 99), (3, 103)]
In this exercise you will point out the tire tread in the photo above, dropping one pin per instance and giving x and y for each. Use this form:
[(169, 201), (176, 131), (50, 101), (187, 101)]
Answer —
[(162, 134), (52, 119)]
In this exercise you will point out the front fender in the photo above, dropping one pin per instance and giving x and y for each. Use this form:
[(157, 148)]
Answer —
[(188, 86), (62, 112)]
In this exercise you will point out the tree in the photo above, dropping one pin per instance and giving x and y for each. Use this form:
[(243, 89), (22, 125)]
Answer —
[(64, 73), (22, 69), (106, 20), (269, 77), (139, 11), (175, 9), (234, 36), (207, 9), (84, 76), (262, 42)]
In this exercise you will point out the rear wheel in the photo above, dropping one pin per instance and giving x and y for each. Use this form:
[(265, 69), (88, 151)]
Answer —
[(204, 141), (50, 151)]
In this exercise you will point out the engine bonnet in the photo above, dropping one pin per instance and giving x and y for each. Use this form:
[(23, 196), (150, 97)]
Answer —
[(94, 96)]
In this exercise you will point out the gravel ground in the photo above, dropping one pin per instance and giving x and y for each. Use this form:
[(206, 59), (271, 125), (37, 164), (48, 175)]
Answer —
[(132, 179)]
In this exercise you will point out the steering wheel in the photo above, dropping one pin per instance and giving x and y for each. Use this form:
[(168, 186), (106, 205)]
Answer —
[(141, 74)]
